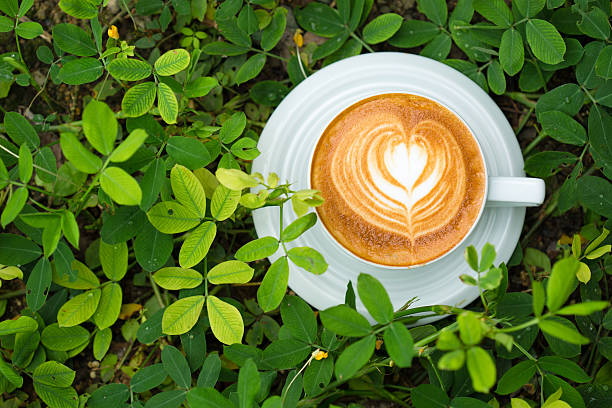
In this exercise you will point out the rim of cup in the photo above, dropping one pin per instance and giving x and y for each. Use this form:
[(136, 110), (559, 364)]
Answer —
[(482, 204)]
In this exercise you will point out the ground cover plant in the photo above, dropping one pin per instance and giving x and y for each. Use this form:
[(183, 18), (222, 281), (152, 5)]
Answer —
[(131, 273)]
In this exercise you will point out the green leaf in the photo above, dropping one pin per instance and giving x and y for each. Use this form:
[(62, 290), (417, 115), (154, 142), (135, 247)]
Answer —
[(561, 283), (545, 164), (152, 182), (73, 40), (487, 257), (495, 11), (167, 399), (20, 130), (516, 377), (167, 103), (354, 357), (309, 259), (538, 297), (182, 315), (382, 28), (299, 319), (120, 186), (129, 69), (563, 367), (224, 48), (567, 334), (225, 321), (257, 249), (22, 324), (54, 374), (247, 19), (224, 202), (230, 272), (152, 248), (102, 342), (188, 190), (231, 31), (81, 71), (285, 354), (271, 35), (603, 65), (109, 306), (171, 217), (594, 23), (63, 338), (79, 309), (481, 368), (317, 375), (584, 309), (268, 93), (529, 8), (17, 250), (345, 321), (114, 260), (85, 278), (172, 62), (496, 78), (413, 33), (200, 87), (139, 99), (129, 146), (438, 48), (585, 70), (235, 179), (511, 51), (197, 244), (100, 126), (208, 398), (176, 366), (375, 298), (595, 193), (298, 227), (471, 256), (233, 127), (274, 284), (81, 158), (109, 395), (248, 384), (56, 397), (38, 284), (545, 41), (46, 165), (175, 278), (28, 30), (209, 374), (320, 19), (327, 48), (148, 378), (189, 152), (399, 344), (599, 252), (435, 10), (600, 134), (563, 128), (13, 206), (452, 361), (251, 68), (470, 330), (428, 396), (9, 7), (85, 9)]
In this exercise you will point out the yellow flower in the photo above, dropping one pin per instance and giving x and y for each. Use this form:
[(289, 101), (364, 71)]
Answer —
[(378, 344), (320, 355), (113, 32), (298, 39)]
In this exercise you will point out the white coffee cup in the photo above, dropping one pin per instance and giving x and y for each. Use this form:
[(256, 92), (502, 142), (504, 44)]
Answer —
[(499, 192)]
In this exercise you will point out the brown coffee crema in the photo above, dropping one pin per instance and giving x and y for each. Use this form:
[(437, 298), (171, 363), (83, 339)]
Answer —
[(402, 177)]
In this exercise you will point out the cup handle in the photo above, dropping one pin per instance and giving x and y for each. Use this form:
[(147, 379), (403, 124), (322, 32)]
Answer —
[(515, 192)]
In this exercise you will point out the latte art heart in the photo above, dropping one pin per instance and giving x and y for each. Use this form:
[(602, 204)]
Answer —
[(402, 178)]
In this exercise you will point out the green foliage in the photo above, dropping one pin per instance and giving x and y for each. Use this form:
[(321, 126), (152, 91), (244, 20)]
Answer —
[(126, 210)]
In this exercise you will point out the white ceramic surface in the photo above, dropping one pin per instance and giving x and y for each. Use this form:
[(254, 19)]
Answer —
[(290, 136)]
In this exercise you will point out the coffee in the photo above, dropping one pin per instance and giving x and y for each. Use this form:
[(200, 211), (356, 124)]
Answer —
[(402, 177)]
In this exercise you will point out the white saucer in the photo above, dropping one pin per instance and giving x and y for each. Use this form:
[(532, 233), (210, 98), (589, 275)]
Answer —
[(289, 139)]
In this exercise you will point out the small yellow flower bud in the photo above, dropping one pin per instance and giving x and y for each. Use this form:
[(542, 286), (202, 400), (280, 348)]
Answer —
[(321, 355), (113, 32), (298, 39)]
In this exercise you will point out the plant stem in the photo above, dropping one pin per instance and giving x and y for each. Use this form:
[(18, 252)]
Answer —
[(541, 136), (366, 46), (521, 98), (156, 291), (13, 294)]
